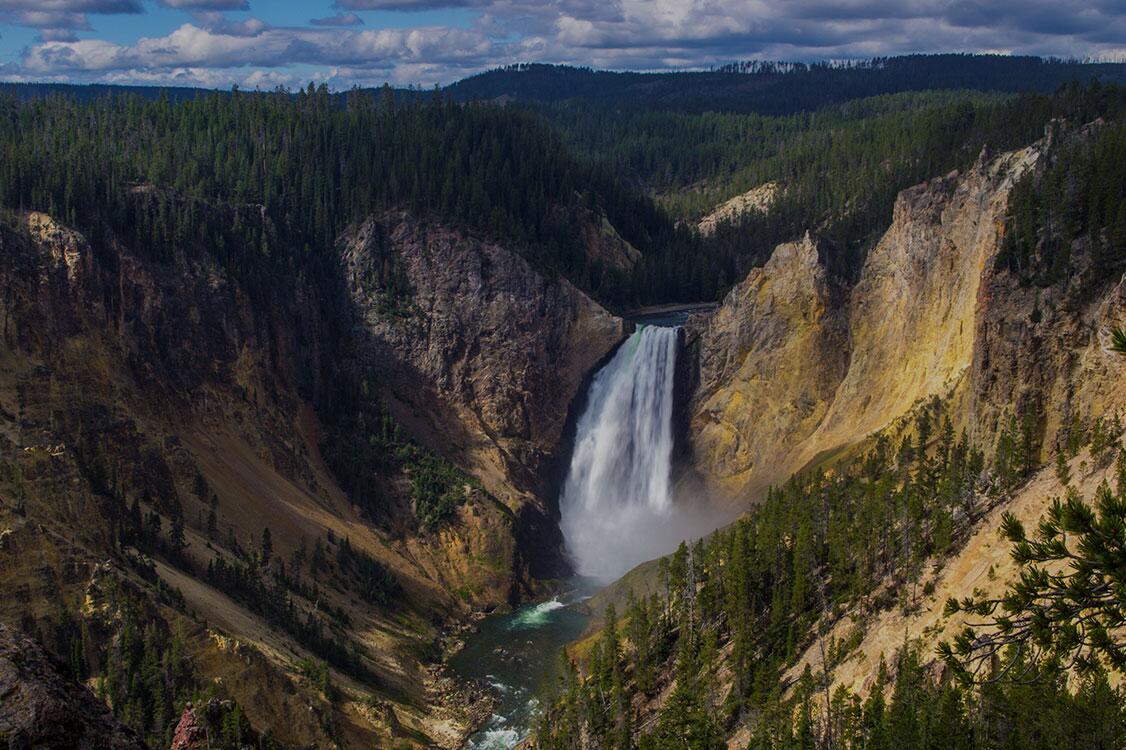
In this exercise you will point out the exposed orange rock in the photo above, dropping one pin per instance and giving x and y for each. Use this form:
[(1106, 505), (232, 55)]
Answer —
[(792, 371), (758, 199)]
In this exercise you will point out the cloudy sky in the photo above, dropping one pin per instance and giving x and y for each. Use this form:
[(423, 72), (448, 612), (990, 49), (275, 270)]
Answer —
[(260, 43)]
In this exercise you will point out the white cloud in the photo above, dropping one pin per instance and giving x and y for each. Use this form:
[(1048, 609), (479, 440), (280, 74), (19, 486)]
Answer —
[(73, 6), (60, 20), (206, 4), (637, 34), (340, 19), (192, 46)]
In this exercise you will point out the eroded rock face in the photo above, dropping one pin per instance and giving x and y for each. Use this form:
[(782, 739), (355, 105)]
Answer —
[(40, 707), (484, 353), (769, 360), (915, 307), (767, 367), (1045, 350)]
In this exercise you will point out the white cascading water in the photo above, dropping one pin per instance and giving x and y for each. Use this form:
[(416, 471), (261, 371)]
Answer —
[(616, 506)]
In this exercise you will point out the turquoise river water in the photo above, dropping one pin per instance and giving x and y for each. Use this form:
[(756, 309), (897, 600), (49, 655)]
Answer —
[(520, 656)]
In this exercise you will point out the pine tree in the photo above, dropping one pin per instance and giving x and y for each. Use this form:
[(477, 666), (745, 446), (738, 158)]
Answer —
[(213, 518), (266, 548), (1063, 470), (1070, 617), (1118, 341), (684, 722)]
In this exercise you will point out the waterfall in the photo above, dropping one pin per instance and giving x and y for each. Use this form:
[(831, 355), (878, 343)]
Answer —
[(616, 503)]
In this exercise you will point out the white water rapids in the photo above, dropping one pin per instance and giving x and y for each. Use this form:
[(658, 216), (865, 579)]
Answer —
[(616, 504)]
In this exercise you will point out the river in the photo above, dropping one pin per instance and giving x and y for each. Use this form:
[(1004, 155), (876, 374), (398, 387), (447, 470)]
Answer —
[(520, 656)]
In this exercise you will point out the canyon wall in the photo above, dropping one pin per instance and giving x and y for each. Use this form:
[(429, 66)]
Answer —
[(792, 370), (487, 354), (481, 358), (769, 360), (133, 388)]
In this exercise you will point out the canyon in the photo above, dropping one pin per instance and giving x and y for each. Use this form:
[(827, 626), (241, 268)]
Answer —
[(482, 366), (328, 479)]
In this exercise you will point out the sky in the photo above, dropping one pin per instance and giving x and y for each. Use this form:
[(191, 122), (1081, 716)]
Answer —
[(266, 44)]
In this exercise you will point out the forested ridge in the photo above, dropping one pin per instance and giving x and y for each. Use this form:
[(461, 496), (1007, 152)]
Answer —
[(781, 88), (734, 610), (839, 169), (1074, 209), (297, 168)]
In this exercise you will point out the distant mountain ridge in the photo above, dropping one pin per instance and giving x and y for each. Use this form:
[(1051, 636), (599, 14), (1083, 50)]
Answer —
[(90, 91), (774, 88), (781, 88)]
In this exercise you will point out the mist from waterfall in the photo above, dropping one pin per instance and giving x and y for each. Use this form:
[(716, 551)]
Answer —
[(616, 505)]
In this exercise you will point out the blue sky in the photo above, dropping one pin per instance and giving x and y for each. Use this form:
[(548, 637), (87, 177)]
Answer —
[(254, 43)]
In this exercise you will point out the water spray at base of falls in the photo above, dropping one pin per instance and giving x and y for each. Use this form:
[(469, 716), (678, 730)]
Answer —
[(616, 505)]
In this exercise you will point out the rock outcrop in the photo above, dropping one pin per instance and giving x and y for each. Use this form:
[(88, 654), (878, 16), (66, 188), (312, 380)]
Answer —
[(758, 199), (768, 362), (792, 369), (41, 707), (1045, 350), (190, 733)]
